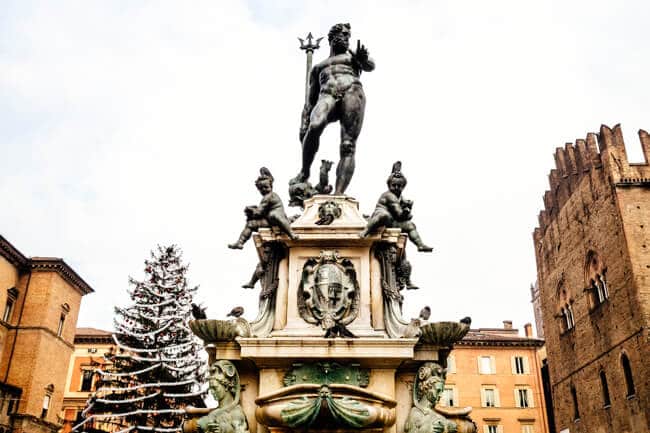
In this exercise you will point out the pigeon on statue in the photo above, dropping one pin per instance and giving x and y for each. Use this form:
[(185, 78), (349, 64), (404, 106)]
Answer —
[(425, 313), (236, 312), (198, 312)]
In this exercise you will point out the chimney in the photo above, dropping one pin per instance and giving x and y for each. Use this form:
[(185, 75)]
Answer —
[(528, 330), (507, 324)]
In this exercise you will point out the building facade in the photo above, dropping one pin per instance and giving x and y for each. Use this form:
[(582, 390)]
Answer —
[(497, 372), (90, 345), (592, 248), (40, 298)]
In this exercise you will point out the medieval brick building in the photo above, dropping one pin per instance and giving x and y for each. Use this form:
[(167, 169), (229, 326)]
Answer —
[(40, 298), (592, 248)]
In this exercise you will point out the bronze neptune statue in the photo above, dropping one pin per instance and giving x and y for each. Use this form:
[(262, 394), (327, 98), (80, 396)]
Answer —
[(335, 93)]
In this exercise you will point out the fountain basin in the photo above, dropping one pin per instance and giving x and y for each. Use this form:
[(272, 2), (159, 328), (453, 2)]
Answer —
[(443, 333), (214, 331)]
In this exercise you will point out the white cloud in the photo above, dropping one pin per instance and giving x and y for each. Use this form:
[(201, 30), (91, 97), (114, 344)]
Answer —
[(130, 124)]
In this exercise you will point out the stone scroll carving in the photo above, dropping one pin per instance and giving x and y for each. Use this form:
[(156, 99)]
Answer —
[(266, 272), (328, 294), (395, 276), (424, 416), (229, 416)]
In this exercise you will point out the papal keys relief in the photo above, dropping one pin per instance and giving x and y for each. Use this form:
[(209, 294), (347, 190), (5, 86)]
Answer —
[(328, 294)]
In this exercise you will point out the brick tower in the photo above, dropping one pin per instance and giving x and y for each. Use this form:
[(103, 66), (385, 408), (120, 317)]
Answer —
[(592, 248)]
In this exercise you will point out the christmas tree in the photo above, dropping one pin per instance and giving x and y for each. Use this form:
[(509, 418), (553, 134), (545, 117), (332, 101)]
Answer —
[(156, 370)]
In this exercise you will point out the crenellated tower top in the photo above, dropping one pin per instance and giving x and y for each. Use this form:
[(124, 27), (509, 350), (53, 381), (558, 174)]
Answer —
[(603, 151)]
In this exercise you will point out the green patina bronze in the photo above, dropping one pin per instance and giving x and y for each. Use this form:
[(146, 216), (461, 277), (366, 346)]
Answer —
[(345, 412), (325, 373)]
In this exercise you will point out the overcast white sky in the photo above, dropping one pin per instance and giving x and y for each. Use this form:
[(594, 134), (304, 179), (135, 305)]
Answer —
[(124, 124)]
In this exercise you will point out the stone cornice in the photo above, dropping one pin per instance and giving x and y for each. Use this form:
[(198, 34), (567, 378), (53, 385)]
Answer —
[(12, 254), (36, 264), (501, 342), (280, 352), (634, 181), (53, 264), (94, 339)]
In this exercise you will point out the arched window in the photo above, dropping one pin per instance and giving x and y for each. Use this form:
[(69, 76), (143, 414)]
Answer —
[(595, 271), (627, 371), (574, 397), (570, 319), (603, 283), (605, 389), (566, 309)]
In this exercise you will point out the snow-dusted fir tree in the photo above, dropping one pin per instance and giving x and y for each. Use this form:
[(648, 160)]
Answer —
[(157, 369)]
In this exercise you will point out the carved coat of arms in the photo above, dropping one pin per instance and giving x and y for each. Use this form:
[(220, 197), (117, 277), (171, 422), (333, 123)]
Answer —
[(328, 294)]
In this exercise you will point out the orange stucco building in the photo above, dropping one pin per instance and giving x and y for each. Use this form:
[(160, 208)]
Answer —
[(497, 372), (90, 345), (40, 299)]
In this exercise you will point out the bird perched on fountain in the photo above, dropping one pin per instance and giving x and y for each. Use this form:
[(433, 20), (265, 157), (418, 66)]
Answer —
[(236, 312), (425, 313), (198, 312)]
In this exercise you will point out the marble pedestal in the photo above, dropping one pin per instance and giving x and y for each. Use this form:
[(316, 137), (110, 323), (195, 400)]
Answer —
[(265, 361)]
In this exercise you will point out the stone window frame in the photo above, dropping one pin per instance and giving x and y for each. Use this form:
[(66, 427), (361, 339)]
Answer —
[(495, 393), (604, 389), (568, 322), (576, 405), (630, 389), (65, 309), (450, 387), (47, 400), (12, 298), (451, 364), (527, 427), (565, 313), (523, 366), (492, 362), (528, 402), (492, 427), (596, 280), (84, 370)]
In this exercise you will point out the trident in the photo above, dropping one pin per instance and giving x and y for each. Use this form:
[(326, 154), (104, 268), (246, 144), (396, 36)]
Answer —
[(309, 48)]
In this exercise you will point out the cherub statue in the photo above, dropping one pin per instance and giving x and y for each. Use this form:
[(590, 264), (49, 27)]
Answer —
[(424, 417), (228, 417), (393, 210), (270, 212)]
